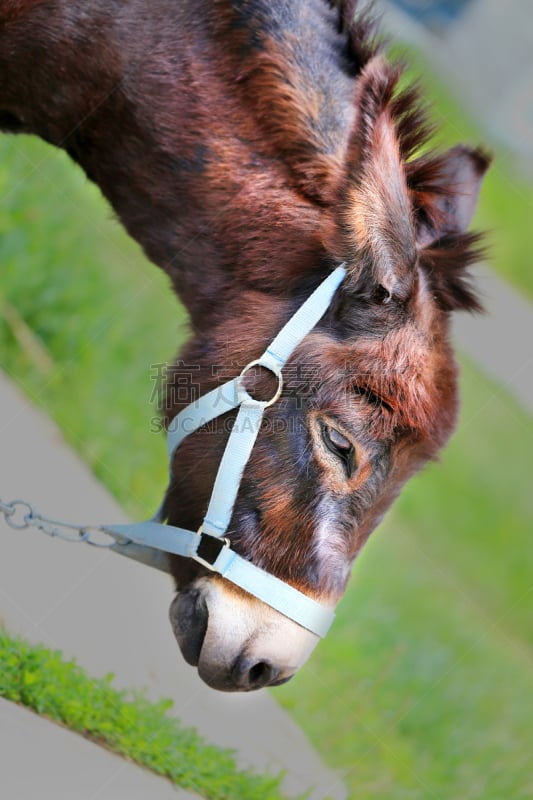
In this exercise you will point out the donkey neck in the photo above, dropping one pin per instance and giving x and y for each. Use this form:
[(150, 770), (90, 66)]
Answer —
[(167, 138)]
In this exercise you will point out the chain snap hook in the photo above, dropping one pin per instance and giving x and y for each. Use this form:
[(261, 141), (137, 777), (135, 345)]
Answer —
[(16, 507)]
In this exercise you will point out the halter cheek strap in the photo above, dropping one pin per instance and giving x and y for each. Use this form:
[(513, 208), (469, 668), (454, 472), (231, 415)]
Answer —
[(149, 541)]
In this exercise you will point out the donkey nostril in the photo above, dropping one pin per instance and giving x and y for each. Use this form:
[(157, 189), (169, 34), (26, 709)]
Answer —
[(260, 674), (249, 674)]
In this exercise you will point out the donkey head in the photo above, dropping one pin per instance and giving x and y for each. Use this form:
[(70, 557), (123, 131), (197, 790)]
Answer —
[(370, 394)]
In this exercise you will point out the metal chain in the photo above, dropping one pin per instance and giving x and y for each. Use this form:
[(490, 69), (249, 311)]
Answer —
[(20, 515)]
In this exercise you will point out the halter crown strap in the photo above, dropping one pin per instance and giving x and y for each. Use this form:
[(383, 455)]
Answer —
[(228, 396), (207, 546), (248, 422)]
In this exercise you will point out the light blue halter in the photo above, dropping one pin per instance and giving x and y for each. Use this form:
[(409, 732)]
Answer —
[(150, 541)]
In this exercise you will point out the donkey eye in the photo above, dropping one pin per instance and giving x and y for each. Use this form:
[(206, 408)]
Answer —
[(340, 446)]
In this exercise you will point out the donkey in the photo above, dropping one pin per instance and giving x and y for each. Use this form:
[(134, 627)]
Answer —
[(251, 147)]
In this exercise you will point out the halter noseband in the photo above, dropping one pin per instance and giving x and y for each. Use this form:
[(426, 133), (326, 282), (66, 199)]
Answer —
[(144, 541)]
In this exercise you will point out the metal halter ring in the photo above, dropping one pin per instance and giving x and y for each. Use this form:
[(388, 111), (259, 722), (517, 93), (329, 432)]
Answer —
[(259, 363)]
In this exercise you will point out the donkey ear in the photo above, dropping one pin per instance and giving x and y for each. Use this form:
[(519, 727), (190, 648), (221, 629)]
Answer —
[(376, 221), (454, 192)]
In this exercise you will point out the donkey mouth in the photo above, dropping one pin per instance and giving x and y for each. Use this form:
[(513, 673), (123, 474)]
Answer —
[(189, 617)]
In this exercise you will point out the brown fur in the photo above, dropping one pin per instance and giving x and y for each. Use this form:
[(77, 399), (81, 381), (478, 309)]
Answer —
[(249, 147)]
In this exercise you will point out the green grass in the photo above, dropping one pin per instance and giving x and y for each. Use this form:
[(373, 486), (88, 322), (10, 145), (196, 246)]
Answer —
[(124, 721), (423, 688), (89, 318)]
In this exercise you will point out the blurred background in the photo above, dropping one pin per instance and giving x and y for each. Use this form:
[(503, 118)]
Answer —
[(424, 688)]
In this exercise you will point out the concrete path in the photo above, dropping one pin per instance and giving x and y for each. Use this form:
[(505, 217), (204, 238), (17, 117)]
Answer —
[(43, 761), (486, 57), (111, 615), (500, 341)]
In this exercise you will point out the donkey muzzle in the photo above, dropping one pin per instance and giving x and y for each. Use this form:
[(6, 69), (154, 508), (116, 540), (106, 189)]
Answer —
[(237, 642)]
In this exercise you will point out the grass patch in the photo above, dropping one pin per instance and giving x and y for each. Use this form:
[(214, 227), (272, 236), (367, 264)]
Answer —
[(125, 722), (423, 689), (88, 319)]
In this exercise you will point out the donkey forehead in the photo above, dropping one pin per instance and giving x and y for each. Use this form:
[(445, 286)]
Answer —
[(407, 353), (409, 369)]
